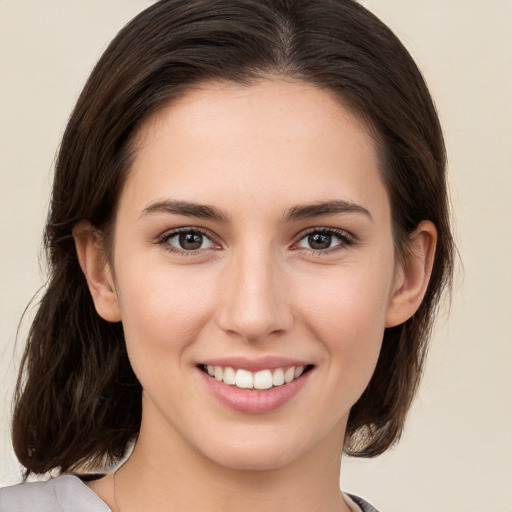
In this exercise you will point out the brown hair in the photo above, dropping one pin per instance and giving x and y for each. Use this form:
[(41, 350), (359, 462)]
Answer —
[(78, 402)]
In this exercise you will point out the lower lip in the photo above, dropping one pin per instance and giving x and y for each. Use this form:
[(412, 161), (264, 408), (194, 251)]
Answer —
[(254, 401)]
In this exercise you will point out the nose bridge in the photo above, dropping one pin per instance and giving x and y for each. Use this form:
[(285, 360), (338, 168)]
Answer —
[(254, 301)]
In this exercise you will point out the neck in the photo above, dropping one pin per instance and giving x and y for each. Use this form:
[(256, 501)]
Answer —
[(172, 475)]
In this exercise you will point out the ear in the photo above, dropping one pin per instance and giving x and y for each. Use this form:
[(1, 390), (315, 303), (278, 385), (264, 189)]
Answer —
[(412, 275), (96, 269)]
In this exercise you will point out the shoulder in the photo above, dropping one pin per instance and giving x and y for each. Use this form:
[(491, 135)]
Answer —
[(65, 493), (362, 504)]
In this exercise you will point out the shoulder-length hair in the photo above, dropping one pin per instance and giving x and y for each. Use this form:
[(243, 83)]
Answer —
[(78, 402)]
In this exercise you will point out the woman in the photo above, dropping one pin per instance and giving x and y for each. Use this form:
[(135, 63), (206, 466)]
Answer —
[(248, 238)]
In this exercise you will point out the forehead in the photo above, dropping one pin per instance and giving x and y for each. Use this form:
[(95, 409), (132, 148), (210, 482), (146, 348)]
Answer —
[(293, 108), (287, 139)]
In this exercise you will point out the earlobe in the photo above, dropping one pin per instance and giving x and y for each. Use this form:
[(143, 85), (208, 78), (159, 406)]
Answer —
[(97, 271), (412, 278)]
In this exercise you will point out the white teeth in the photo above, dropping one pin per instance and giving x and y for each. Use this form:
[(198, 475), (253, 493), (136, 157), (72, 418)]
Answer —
[(264, 379), (244, 379), (278, 377), (229, 376), (219, 373), (289, 374)]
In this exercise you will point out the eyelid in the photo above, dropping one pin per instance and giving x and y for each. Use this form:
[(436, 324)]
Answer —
[(347, 239), (167, 235)]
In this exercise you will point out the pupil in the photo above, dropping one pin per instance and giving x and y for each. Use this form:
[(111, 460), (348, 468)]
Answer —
[(191, 241), (319, 241)]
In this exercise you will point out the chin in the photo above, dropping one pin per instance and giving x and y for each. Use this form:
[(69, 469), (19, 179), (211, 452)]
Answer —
[(259, 460), (267, 451)]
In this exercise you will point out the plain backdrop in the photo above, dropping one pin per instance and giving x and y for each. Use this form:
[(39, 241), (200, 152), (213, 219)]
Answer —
[(456, 452)]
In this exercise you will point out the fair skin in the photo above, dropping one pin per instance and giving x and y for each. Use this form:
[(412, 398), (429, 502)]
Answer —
[(292, 264)]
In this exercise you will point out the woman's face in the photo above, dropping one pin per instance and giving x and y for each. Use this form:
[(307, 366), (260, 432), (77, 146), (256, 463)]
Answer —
[(253, 236)]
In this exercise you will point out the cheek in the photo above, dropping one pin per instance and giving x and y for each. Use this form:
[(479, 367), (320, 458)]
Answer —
[(162, 311), (346, 312)]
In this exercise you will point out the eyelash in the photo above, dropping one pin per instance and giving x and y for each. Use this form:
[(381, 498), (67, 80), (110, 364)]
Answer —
[(164, 240), (345, 238)]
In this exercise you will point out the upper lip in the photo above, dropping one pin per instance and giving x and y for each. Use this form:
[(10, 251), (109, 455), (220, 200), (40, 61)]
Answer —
[(256, 364)]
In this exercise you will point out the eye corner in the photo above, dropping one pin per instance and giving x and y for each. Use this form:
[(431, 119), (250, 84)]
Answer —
[(198, 237), (325, 236)]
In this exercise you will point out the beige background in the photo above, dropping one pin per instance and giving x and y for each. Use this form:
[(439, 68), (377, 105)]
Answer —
[(456, 453)]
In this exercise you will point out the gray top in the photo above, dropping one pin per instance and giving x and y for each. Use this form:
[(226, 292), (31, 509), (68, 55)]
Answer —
[(67, 493)]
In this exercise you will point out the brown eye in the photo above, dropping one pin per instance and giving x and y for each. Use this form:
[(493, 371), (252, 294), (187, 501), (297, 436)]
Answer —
[(324, 239), (319, 241), (188, 241)]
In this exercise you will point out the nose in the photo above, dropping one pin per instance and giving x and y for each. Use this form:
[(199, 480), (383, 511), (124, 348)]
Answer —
[(255, 300)]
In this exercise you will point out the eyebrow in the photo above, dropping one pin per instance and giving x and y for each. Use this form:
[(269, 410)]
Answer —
[(325, 208), (299, 212), (200, 211)]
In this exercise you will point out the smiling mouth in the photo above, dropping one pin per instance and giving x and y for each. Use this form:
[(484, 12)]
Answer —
[(261, 380)]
